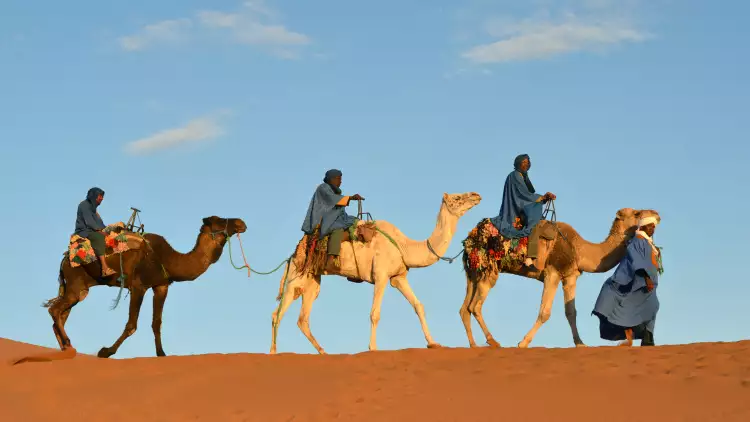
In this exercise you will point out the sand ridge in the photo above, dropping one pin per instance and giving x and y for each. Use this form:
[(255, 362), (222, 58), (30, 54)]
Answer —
[(701, 382)]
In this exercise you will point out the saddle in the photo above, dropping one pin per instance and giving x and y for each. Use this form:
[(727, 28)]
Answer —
[(312, 252), (117, 240)]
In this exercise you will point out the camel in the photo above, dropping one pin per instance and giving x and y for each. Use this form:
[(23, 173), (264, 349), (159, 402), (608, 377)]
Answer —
[(154, 266), (376, 262), (569, 255)]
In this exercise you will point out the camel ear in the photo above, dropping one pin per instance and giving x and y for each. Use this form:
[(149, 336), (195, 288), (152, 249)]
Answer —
[(637, 214)]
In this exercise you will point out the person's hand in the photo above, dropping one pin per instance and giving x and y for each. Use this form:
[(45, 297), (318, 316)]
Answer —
[(357, 197), (649, 284), (550, 195)]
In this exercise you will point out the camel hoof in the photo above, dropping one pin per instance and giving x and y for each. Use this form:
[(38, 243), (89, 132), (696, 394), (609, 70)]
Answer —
[(160, 353), (434, 346), (322, 352), (581, 345), (493, 344), (104, 352), (472, 345), (523, 345)]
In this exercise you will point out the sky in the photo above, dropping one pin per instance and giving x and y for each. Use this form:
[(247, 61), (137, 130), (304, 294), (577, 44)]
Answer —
[(187, 109)]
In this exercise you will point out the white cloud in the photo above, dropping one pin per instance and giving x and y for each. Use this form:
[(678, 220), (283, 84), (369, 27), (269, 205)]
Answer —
[(546, 40), (606, 24), (164, 32), (253, 24), (248, 26), (202, 129)]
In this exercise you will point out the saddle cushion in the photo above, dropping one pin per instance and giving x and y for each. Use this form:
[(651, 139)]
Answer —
[(485, 249), (311, 254), (117, 240)]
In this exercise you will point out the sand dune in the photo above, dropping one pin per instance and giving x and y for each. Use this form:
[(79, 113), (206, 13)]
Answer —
[(699, 382)]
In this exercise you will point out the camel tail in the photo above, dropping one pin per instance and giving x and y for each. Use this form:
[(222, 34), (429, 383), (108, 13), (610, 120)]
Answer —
[(61, 289)]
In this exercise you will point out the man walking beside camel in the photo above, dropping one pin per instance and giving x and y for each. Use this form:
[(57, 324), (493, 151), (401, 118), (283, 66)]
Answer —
[(520, 201), (327, 209), (627, 304)]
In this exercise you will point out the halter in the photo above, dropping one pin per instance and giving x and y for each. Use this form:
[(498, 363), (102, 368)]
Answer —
[(224, 231)]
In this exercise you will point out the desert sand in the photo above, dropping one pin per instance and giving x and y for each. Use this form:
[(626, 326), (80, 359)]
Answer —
[(697, 382)]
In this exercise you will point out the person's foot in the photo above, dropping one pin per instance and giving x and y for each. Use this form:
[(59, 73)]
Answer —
[(530, 264), (106, 272), (354, 280)]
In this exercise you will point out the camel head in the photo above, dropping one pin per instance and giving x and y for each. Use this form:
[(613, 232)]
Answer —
[(459, 203), (628, 219), (217, 225)]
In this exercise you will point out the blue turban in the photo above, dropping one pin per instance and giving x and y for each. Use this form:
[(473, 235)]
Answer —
[(330, 174)]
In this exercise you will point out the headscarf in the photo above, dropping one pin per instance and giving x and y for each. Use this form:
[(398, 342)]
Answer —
[(93, 194), (645, 222), (517, 165), (330, 174)]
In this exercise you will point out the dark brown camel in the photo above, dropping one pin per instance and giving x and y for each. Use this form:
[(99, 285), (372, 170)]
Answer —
[(155, 266)]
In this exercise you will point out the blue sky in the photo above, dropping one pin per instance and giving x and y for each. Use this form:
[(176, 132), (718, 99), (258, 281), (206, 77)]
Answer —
[(187, 109)]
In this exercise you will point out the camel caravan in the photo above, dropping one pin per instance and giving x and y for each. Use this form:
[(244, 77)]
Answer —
[(522, 240)]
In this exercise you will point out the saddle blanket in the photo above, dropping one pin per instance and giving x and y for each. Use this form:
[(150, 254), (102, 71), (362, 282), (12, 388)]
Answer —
[(117, 240)]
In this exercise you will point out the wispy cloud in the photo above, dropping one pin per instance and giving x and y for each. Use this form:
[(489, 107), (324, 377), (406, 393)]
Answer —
[(198, 130), (164, 32), (255, 23), (600, 27)]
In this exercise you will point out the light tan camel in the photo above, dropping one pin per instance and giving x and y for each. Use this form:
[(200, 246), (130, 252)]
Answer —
[(566, 261), (377, 262)]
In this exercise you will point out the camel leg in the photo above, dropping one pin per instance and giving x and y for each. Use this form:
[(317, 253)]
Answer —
[(377, 300), (402, 284), (278, 313), (569, 295), (75, 292), (136, 300), (309, 295), (483, 290), (160, 296), (471, 288), (551, 282), (63, 319)]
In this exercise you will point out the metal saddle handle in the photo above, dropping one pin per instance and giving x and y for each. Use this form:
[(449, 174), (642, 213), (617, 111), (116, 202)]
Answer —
[(368, 216), (130, 225)]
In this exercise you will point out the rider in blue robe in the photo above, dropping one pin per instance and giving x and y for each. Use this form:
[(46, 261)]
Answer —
[(627, 304), (521, 200), (327, 209)]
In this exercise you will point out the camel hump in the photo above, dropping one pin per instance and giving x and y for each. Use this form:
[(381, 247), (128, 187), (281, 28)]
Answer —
[(117, 240)]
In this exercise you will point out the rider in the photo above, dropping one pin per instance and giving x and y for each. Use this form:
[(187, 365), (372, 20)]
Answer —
[(627, 304), (90, 225), (327, 209), (520, 200)]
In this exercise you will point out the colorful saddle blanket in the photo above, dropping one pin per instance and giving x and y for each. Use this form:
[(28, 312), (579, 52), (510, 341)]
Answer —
[(117, 240), (485, 249)]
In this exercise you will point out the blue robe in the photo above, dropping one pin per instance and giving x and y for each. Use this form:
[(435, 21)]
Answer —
[(518, 198), (624, 301), (324, 211), (87, 219)]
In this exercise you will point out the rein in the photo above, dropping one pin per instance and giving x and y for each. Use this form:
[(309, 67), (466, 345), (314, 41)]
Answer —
[(550, 207), (228, 237)]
